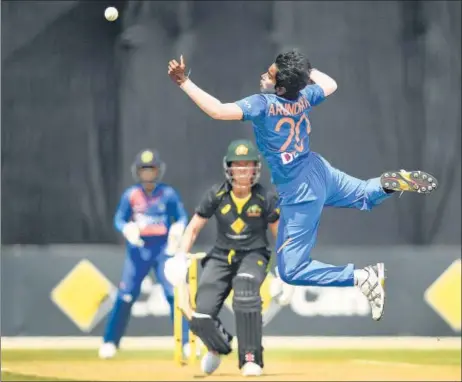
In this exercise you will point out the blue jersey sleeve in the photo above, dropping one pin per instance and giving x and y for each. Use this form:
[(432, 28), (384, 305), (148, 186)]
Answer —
[(176, 210), (124, 211), (314, 94), (253, 107)]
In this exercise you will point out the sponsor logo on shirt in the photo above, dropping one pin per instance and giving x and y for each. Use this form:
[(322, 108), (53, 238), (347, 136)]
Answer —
[(288, 157), (254, 211)]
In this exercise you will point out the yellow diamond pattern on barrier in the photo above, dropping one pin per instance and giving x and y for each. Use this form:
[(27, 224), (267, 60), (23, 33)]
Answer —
[(238, 225), (82, 294), (444, 295)]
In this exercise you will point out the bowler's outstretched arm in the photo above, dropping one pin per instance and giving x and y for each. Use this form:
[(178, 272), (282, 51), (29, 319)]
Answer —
[(213, 107)]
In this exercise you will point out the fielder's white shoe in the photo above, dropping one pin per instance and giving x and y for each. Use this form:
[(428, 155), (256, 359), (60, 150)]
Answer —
[(210, 362), (107, 350), (251, 369), (373, 287)]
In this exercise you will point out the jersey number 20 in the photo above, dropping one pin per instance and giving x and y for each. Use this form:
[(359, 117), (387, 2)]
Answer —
[(294, 132)]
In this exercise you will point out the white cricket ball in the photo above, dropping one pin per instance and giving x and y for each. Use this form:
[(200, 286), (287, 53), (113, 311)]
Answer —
[(111, 14)]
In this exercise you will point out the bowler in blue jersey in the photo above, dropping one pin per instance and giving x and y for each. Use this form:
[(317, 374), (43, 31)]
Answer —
[(305, 181)]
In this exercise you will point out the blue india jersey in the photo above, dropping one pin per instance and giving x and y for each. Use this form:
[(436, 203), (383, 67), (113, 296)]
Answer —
[(282, 129), (153, 213)]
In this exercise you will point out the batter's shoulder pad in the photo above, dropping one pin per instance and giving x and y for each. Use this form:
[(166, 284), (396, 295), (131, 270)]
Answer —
[(219, 190), (212, 199), (270, 201), (260, 192)]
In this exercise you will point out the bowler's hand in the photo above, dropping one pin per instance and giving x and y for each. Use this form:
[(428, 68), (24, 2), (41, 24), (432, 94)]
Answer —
[(176, 71)]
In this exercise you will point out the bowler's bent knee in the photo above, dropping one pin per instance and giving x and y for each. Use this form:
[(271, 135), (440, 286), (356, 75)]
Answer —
[(316, 273)]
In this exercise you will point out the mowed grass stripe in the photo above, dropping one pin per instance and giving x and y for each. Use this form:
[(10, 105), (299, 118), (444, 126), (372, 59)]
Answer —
[(424, 357), (10, 376)]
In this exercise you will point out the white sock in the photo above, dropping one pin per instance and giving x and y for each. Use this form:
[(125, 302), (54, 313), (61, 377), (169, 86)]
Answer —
[(360, 276)]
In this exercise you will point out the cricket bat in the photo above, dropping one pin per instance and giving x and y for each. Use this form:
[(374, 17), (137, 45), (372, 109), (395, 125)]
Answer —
[(184, 290)]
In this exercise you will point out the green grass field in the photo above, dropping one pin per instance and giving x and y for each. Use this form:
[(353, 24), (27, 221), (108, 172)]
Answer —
[(419, 357), (8, 376), (83, 365)]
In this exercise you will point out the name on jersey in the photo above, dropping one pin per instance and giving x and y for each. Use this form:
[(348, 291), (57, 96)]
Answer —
[(151, 225), (288, 109), (237, 237), (144, 220)]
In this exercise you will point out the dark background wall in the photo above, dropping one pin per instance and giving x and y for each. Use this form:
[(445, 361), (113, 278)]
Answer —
[(81, 96)]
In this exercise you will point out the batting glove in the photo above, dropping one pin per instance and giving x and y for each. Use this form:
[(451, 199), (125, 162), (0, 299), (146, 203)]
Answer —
[(174, 238), (176, 269)]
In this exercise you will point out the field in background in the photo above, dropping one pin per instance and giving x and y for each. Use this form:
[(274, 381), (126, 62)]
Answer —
[(390, 359)]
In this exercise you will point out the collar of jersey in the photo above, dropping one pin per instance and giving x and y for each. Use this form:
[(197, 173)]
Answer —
[(240, 202), (149, 195)]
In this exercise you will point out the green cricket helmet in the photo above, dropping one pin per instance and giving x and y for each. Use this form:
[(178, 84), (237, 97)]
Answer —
[(242, 150), (148, 158)]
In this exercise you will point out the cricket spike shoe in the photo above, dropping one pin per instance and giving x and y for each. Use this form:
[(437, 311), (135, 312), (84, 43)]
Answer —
[(373, 287), (251, 369), (412, 181), (107, 350), (210, 362)]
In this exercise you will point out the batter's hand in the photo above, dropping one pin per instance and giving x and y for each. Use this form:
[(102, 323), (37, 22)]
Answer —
[(176, 269), (174, 238), (176, 71)]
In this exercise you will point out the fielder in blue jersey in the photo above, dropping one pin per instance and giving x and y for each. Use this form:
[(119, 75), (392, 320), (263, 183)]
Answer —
[(152, 219), (305, 181)]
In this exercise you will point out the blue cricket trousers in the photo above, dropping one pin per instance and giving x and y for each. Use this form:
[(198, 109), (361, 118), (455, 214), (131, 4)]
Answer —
[(138, 263), (301, 205)]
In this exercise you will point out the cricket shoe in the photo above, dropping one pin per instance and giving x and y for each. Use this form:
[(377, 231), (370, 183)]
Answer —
[(210, 362), (373, 287), (413, 181), (251, 369), (107, 350)]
